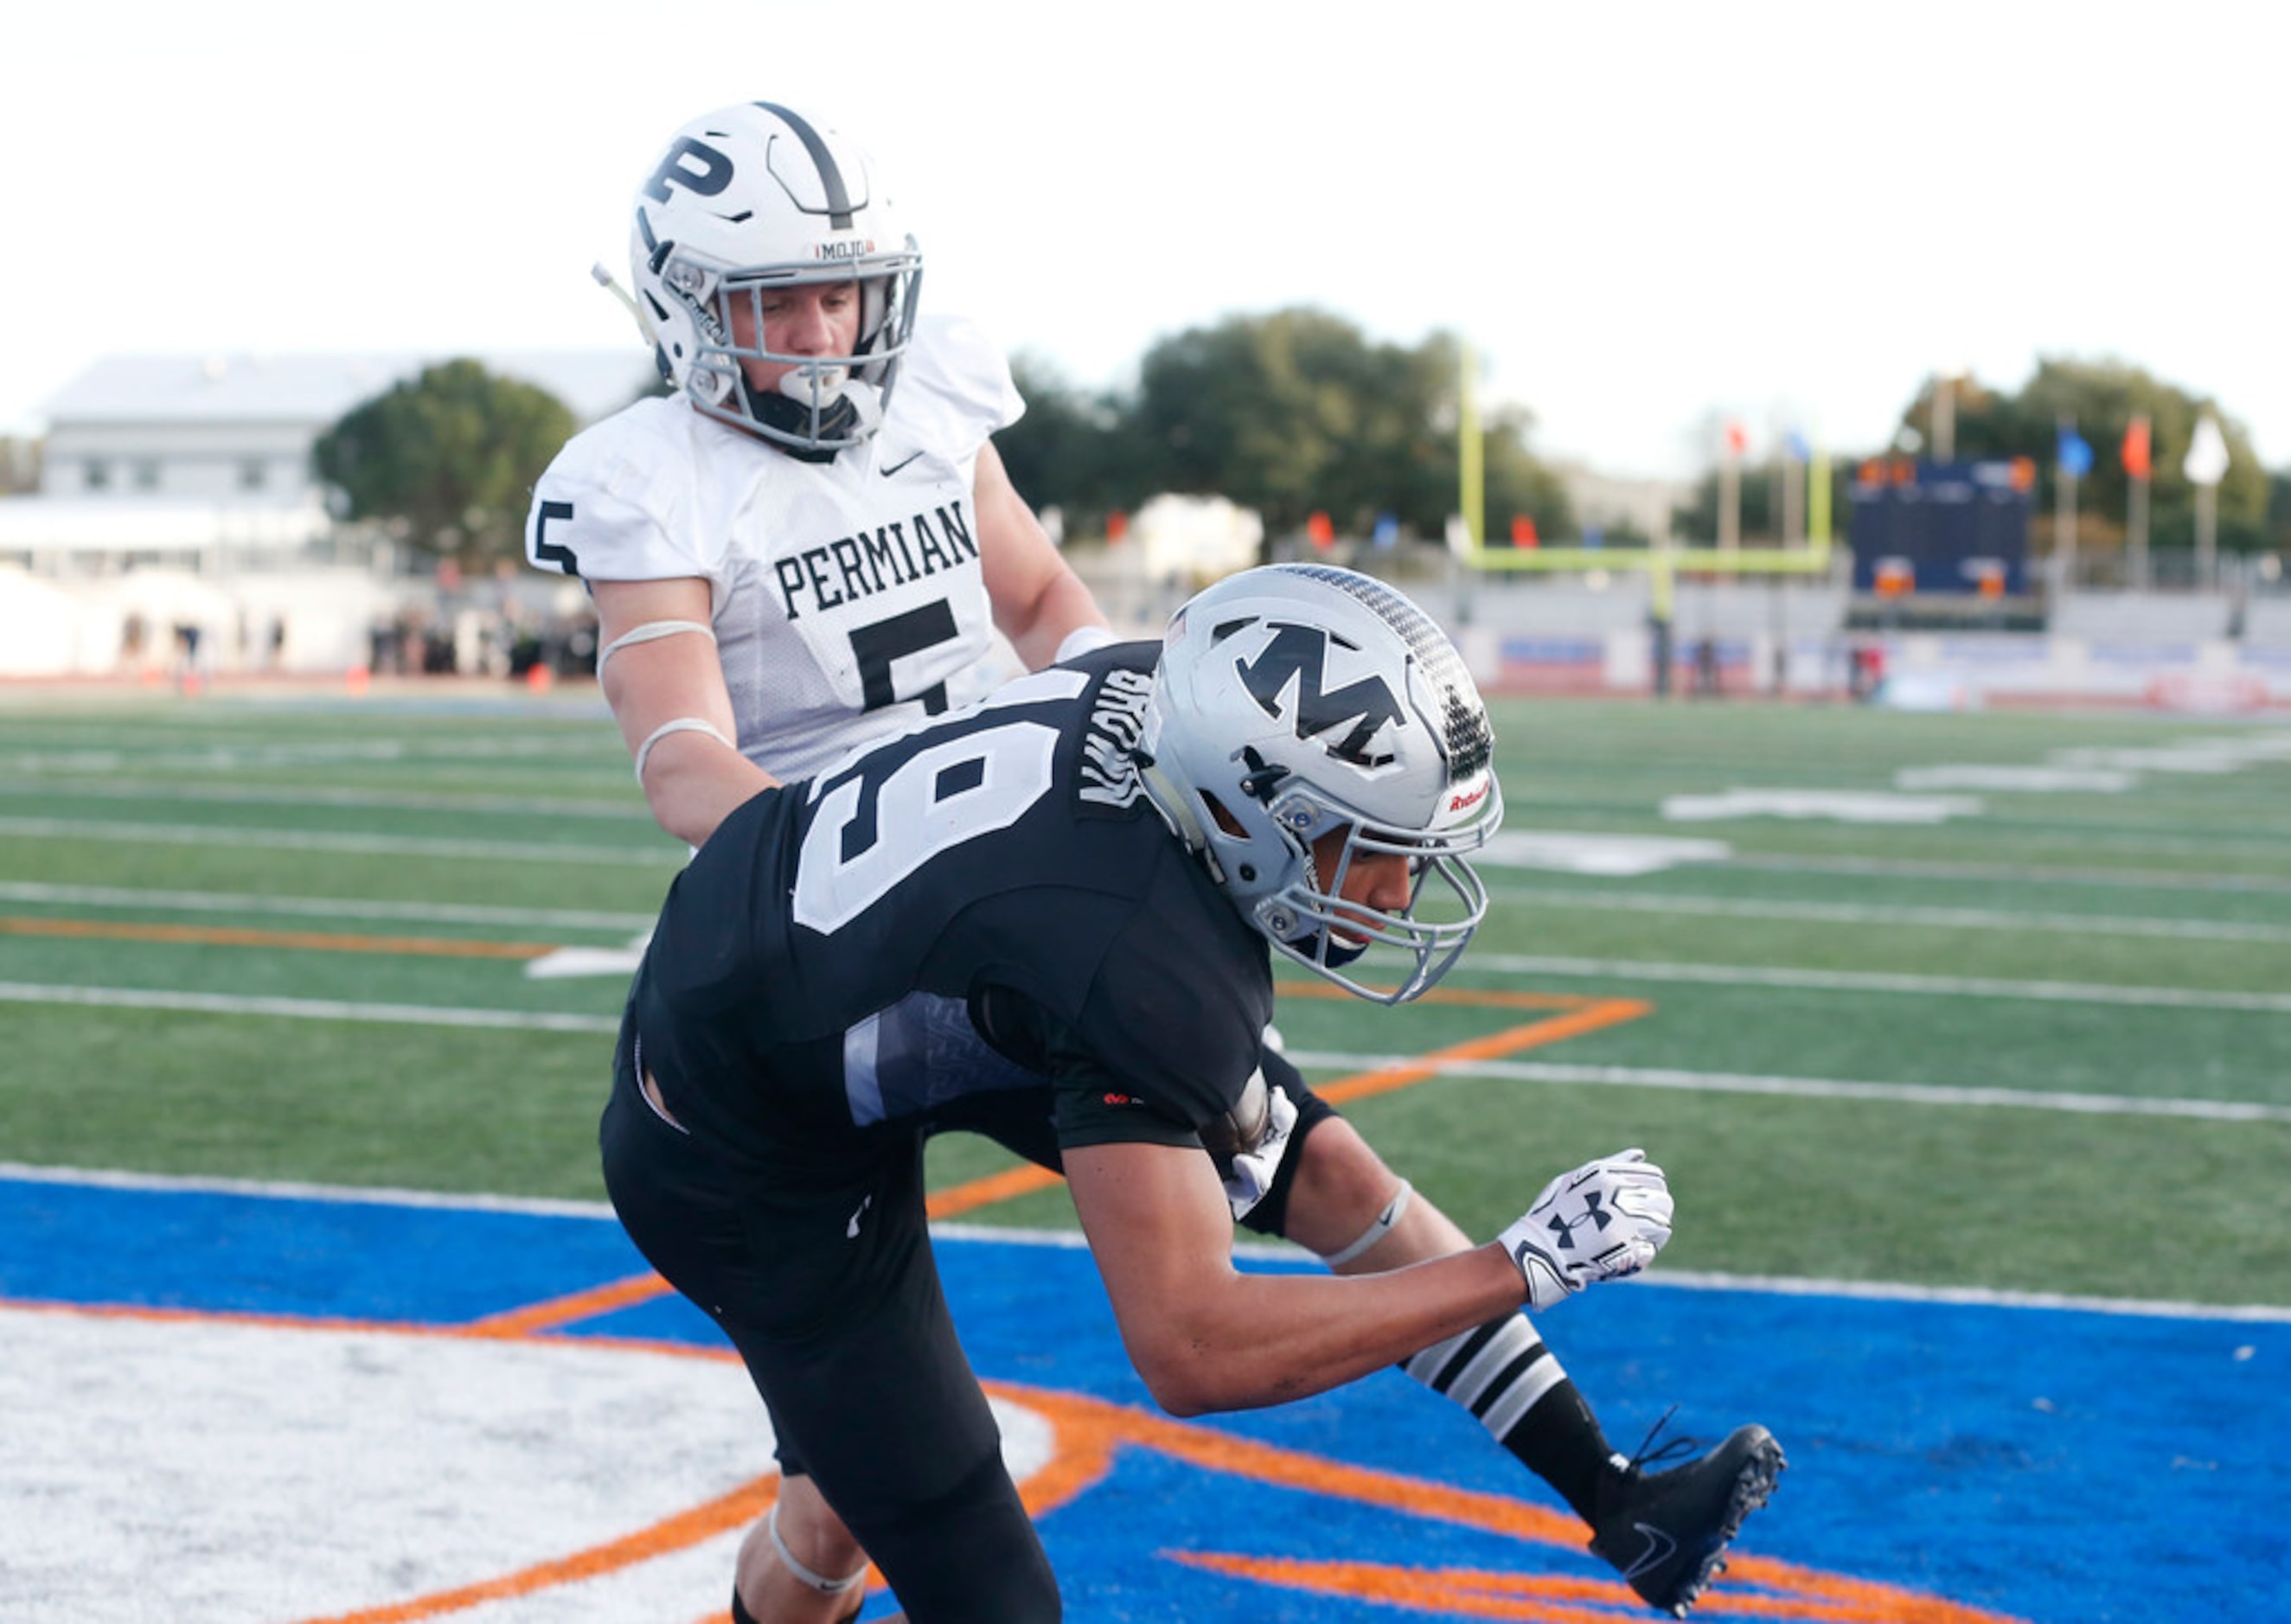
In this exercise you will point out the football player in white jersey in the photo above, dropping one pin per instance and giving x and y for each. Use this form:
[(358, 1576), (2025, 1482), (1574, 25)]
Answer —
[(808, 546), (819, 498)]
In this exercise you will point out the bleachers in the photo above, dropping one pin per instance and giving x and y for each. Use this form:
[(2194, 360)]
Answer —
[(2141, 619)]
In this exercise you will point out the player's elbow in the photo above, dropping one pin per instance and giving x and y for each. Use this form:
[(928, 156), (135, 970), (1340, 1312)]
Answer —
[(1183, 1386), (1190, 1374)]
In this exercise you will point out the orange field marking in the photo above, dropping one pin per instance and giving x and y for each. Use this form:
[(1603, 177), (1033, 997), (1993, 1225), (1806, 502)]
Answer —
[(1091, 1434), (307, 941), (570, 1309), (736, 1510)]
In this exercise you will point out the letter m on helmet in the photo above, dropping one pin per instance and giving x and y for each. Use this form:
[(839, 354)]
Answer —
[(1299, 655)]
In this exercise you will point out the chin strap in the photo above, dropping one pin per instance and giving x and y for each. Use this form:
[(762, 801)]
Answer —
[(850, 417), (1176, 810)]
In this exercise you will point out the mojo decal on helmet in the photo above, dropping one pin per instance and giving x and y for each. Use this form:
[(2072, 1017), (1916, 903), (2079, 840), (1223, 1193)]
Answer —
[(1299, 655)]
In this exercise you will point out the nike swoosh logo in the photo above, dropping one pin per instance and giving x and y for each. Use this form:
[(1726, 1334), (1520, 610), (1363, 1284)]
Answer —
[(1659, 1546), (901, 462)]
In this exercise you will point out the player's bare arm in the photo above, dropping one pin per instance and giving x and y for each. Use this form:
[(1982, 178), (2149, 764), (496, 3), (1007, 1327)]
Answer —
[(661, 677), (1207, 1336), (1038, 601)]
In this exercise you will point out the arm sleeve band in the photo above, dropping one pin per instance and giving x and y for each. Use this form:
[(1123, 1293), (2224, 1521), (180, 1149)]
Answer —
[(652, 631), (682, 724), (1384, 1224)]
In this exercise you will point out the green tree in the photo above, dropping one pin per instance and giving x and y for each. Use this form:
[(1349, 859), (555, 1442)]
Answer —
[(2099, 400), (1297, 412), (1072, 449), (449, 457)]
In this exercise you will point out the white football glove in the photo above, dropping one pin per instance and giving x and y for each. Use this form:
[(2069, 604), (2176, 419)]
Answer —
[(1253, 1170), (1606, 1219)]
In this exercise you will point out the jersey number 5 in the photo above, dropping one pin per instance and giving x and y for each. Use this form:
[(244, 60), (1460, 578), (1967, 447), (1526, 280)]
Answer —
[(875, 647), (860, 846)]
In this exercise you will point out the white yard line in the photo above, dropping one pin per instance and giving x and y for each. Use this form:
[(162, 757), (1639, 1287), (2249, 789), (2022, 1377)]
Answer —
[(1818, 1087), (262, 795), (660, 854), (1860, 913), (1875, 981), (306, 1008), (2009, 873), (222, 752), (318, 907)]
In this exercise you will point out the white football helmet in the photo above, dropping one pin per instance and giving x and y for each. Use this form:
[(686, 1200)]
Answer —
[(1298, 699), (754, 197)]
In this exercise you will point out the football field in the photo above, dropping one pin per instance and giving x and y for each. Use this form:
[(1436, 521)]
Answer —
[(1965, 1039)]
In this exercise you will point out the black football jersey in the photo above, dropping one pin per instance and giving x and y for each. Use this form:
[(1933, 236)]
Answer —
[(828, 959)]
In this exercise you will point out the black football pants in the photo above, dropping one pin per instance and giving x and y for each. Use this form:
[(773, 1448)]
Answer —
[(820, 1271)]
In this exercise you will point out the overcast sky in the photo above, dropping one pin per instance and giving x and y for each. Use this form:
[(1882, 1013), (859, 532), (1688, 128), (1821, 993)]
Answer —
[(1644, 217)]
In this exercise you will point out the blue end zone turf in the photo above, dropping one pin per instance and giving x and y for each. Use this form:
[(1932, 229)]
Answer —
[(2061, 1466)]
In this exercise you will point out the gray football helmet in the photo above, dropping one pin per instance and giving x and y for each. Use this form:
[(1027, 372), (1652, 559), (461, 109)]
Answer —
[(1296, 699)]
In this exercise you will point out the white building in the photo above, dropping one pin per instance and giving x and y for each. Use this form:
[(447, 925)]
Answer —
[(237, 431), (179, 490), (1606, 502)]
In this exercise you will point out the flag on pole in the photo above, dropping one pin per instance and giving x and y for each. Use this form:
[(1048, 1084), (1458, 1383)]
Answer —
[(2075, 452), (2138, 460), (1738, 437), (2207, 459)]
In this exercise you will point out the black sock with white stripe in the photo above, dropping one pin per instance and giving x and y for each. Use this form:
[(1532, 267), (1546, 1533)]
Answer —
[(1505, 1376)]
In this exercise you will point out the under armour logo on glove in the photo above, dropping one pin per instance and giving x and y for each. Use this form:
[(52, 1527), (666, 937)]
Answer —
[(1605, 1220)]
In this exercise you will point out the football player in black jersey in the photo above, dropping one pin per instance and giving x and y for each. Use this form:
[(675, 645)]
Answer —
[(1091, 870)]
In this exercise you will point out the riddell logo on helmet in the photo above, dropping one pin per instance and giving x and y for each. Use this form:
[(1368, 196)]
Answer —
[(847, 248), (1471, 798)]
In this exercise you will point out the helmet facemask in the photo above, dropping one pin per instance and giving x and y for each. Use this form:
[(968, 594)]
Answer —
[(821, 404), (1310, 922), (754, 200)]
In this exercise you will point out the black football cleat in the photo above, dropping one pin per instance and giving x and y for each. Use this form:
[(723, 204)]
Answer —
[(1667, 1533)]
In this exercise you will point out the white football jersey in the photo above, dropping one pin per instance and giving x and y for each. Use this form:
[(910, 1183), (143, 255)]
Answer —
[(847, 600)]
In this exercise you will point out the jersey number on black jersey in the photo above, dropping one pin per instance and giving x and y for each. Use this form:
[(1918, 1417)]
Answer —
[(896, 810)]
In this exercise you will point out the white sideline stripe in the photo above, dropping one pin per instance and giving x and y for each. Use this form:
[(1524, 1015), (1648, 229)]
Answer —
[(402, 846), (1855, 913), (1072, 1240), (1978, 1297), (1873, 981), (324, 907), (288, 1190), (306, 1008), (1820, 1088)]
